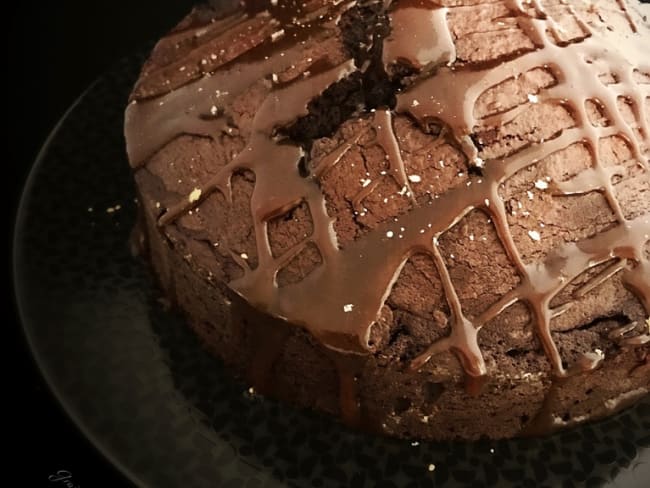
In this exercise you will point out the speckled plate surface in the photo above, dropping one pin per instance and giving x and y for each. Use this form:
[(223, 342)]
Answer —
[(138, 384)]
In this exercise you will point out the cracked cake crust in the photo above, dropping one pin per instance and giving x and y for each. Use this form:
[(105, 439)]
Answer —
[(440, 238)]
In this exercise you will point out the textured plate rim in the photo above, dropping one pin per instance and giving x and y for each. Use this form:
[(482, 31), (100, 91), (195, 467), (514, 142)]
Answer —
[(20, 294)]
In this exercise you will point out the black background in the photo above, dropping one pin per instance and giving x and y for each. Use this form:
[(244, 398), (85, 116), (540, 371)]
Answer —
[(55, 50)]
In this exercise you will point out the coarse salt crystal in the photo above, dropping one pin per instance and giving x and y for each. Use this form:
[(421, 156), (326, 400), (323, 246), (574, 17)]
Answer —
[(195, 195), (415, 178), (532, 98), (389, 234), (534, 235), (348, 307), (541, 184)]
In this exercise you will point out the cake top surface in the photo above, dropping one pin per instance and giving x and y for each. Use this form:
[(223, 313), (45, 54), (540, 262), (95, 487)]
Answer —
[(383, 127)]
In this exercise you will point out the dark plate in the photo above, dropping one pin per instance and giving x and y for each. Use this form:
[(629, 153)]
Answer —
[(137, 383)]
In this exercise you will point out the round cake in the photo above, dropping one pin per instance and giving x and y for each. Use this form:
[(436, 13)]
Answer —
[(428, 218)]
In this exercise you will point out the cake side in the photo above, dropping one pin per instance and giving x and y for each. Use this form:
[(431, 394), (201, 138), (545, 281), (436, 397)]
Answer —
[(491, 301)]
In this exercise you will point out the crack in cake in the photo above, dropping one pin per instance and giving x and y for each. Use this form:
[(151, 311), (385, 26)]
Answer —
[(430, 218)]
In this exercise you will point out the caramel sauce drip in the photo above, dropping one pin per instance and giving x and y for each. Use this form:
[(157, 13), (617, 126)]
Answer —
[(426, 45), (340, 300)]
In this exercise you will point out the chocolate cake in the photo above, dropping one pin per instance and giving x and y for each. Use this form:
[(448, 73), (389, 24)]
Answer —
[(429, 218)]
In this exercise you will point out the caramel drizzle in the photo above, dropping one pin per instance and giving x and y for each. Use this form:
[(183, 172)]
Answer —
[(428, 45), (362, 273), (383, 124), (461, 89)]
